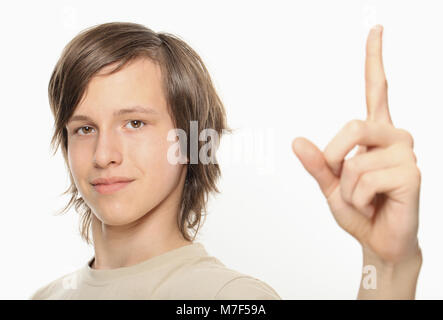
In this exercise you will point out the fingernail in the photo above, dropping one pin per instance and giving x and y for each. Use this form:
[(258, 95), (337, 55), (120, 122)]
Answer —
[(377, 27), (369, 211)]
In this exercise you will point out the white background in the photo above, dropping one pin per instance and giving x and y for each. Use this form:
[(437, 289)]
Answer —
[(288, 68)]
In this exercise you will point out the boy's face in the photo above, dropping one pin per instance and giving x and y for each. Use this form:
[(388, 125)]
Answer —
[(111, 145)]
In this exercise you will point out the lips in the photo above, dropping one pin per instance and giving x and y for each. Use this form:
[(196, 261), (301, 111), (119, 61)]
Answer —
[(110, 188), (110, 180), (110, 185)]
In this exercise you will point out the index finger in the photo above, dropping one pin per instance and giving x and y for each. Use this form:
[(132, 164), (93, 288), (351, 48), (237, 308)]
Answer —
[(375, 79)]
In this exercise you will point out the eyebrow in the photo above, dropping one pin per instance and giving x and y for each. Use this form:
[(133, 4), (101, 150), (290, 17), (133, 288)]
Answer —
[(135, 109)]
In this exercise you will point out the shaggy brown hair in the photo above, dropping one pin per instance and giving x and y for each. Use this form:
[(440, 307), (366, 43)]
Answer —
[(189, 91)]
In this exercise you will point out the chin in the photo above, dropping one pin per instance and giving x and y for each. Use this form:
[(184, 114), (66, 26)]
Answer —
[(115, 211), (118, 218)]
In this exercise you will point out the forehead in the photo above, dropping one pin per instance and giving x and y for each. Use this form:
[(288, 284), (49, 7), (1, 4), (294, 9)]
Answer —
[(137, 83)]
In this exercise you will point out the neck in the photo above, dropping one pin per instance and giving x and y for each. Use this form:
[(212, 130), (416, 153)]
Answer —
[(154, 233), (117, 249)]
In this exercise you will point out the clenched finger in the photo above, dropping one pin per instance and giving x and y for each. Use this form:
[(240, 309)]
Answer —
[(358, 132), (392, 156)]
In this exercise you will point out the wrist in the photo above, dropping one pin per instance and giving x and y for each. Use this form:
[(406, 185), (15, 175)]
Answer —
[(412, 260), (390, 278)]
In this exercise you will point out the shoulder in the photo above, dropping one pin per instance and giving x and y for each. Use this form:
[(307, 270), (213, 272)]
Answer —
[(48, 290), (211, 278), (246, 287)]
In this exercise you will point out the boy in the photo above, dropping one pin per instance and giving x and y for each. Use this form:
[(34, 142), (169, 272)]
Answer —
[(116, 93)]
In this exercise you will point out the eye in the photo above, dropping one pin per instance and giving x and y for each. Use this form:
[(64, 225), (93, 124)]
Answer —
[(137, 124), (84, 131)]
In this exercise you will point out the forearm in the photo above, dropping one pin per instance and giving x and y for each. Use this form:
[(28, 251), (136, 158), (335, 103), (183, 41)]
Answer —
[(393, 281)]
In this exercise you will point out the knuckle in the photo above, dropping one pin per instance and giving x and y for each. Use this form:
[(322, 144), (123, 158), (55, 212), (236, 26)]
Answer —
[(366, 180), (355, 127), (414, 157), (407, 137), (418, 174), (377, 83), (403, 152), (413, 175), (350, 166)]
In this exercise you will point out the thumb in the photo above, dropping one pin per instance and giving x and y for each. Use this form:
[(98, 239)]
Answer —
[(314, 162)]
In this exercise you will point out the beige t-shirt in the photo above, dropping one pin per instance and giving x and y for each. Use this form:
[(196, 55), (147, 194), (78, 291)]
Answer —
[(188, 272)]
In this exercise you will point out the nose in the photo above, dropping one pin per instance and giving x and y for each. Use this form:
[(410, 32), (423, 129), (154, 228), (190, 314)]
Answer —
[(108, 149)]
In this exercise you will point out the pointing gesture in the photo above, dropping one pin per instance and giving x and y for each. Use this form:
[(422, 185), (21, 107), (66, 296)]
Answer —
[(375, 79), (375, 194)]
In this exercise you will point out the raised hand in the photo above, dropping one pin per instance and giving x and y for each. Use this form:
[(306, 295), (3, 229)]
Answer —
[(375, 194)]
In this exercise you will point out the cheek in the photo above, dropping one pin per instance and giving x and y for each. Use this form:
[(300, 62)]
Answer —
[(72, 159), (78, 164), (154, 163)]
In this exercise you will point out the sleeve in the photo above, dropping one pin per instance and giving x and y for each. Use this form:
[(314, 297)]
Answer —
[(246, 288), (42, 293), (45, 291), (37, 295)]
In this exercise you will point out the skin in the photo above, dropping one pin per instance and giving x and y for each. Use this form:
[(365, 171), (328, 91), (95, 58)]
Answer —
[(139, 221), (374, 195)]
